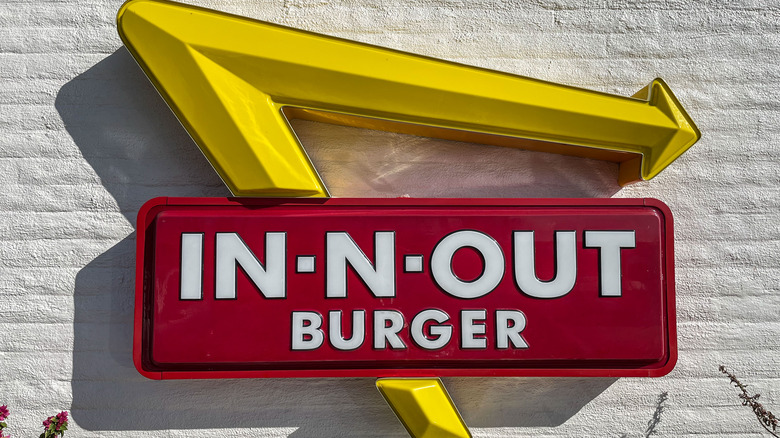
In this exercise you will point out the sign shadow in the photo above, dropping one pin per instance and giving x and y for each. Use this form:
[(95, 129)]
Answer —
[(138, 149)]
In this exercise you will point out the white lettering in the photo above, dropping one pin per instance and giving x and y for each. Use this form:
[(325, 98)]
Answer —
[(509, 325), (609, 244), (191, 284), (306, 332), (335, 331), (385, 333), (441, 334), (565, 265), (470, 328), (269, 279), (341, 250), (441, 264)]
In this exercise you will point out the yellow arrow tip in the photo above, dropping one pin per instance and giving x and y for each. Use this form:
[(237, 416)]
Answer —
[(424, 407), (659, 95)]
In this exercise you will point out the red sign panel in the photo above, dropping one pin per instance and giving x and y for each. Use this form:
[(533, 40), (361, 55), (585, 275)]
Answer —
[(404, 287)]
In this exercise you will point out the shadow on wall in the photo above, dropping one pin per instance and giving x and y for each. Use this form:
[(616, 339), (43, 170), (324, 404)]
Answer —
[(139, 150)]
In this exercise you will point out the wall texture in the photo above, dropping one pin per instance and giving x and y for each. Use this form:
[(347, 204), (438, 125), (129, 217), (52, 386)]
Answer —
[(85, 140)]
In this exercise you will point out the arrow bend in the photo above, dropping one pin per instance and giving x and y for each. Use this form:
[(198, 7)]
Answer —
[(233, 82)]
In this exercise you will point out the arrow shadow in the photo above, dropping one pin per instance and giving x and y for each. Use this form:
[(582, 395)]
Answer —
[(139, 150)]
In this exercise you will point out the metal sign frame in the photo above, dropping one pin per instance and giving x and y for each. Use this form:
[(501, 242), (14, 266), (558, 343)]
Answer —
[(144, 291)]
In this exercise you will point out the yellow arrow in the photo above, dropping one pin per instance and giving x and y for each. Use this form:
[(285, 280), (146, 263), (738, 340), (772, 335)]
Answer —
[(233, 82), (424, 407)]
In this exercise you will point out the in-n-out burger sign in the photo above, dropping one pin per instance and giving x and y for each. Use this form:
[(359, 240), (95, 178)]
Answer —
[(231, 288)]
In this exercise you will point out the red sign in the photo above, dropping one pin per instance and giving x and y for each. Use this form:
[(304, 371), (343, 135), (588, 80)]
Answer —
[(404, 287)]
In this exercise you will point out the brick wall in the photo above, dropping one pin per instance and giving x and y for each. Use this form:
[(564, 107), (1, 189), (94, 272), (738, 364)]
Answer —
[(85, 140)]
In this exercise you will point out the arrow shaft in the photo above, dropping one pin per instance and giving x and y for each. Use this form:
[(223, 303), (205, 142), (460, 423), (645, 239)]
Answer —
[(401, 87)]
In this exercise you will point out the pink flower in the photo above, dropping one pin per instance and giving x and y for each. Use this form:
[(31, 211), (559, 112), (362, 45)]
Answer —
[(62, 417), (3, 412), (47, 422)]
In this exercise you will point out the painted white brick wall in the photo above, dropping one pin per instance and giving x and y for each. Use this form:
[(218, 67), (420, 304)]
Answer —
[(85, 140)]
